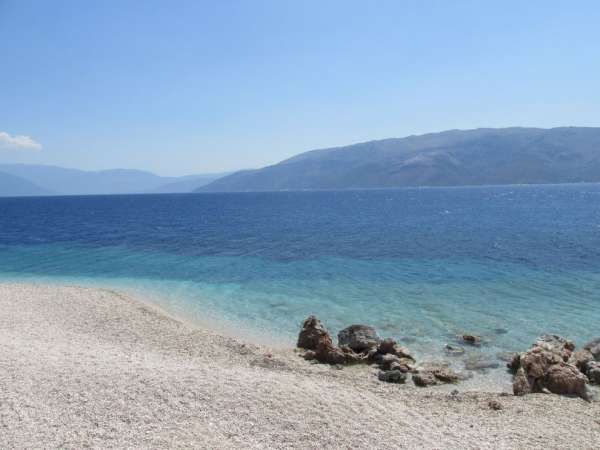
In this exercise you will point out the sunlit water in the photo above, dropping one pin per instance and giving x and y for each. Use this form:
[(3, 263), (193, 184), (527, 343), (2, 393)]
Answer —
[(421, 265)]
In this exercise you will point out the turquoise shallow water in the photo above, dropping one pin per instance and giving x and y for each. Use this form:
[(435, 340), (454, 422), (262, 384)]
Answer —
[(421, 265)]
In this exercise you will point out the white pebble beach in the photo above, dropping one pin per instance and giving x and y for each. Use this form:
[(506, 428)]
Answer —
[(87, 367)]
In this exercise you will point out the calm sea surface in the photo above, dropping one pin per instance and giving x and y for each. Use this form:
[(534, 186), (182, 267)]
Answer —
[(507, 263)]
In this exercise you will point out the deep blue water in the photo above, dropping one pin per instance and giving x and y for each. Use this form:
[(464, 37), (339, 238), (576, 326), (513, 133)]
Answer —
[(419, 264)]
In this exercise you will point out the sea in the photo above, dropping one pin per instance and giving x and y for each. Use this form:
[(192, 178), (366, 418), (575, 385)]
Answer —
[(422, 265)]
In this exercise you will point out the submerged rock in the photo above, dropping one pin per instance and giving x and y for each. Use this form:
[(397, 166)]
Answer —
[(312, 333), (506, 356), (358, 337), (470, 339), (454, 350), (480, 363)]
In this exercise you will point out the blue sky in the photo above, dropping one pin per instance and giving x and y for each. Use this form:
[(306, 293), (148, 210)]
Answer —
[(181, 87)]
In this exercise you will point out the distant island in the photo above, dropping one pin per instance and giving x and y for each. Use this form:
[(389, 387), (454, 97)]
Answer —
[(34, 180), (450, 158)]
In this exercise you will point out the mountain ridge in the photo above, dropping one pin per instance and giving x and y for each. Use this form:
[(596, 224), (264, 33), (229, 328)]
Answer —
[(482, 156)]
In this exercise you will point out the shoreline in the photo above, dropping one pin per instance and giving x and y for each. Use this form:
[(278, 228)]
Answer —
[(90, 366)]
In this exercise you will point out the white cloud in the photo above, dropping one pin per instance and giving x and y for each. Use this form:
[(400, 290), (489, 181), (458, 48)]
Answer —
[(8, 142)]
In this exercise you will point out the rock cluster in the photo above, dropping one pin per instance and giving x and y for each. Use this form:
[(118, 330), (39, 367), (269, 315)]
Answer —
[(361, 344), (550, 365)]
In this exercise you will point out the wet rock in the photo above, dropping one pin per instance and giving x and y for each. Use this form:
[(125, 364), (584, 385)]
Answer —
[(594, 347), (521, 384), (312, 333), (500, 330), (480, 363), (470, 339), (358, 337), (454, 350), (565, 379), (392, 376)]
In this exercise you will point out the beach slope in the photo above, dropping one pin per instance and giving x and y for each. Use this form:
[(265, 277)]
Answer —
[(91, 367)]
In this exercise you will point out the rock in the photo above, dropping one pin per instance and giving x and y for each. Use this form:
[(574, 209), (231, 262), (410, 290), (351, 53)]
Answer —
[(438, 372), (358, 337), (309, 355), (557, 345), (565, 379), (392, 376), (478, 362), (351, 356), (471, 339), (495, 405), (390, 346), (593, 372), (424, 379), (515, 362), (446, 375), (454, 350), (521, 384), (386, 360), (594, 347), (372, 354), (500, 330), (312, 333), (327, 353), (544, 368), (581, 358), (404, 368), (386, 346)]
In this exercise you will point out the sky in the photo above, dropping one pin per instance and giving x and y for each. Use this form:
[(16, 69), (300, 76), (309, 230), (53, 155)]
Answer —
[(182, 87)]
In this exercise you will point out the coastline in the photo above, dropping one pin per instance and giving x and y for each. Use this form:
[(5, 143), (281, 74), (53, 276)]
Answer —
[(94, 367)]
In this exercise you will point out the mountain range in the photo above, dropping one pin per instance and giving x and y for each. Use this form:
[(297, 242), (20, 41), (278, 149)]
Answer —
[(451, 158), (485, 156), (31, 180)]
